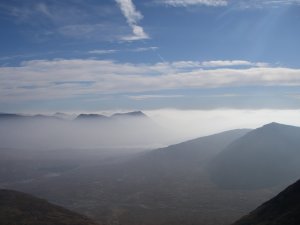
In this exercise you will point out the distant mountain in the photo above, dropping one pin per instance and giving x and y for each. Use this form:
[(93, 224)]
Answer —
[(284, 209), (17, 117), (199, 150), (264, 157), (134, 114), (91, 116), (17, 208), (63, 116), (11, 116), (132, 129)]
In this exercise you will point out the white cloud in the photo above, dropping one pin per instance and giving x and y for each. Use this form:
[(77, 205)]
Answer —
[(133, 17), (58, 79), (110, 51), (218, 3), (143, 49), (229, 63), (102, 51), (244, 4), (185, 3)]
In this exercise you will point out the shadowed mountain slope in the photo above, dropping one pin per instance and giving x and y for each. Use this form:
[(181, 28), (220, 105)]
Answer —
[(200, 149), (23, 209), (284, 209), (264, 157)]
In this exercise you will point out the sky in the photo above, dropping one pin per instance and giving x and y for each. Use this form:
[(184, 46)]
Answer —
[(110, 55)]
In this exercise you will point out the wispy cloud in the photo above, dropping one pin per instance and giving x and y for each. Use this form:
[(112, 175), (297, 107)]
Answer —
[(144, 97), (185, 3), (133, 17), (80, 20), (144, 49), (218, 63), (110, 51), (58, 79), (228, 63), (264, 3), (218, 3), (103, 51)]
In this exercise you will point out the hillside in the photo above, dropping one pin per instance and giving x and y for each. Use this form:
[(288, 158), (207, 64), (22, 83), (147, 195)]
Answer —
[(265, 157), (158, 187), (23, 209), (281, 210)]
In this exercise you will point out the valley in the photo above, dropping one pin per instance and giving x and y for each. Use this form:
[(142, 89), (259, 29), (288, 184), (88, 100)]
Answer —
[(163, 186)]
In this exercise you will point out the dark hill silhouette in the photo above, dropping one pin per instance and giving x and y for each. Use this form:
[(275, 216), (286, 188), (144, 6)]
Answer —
[(267, 156), (284, 209), (24, 209), (90, 116), (133, 114), (18, 117), (11, 116)]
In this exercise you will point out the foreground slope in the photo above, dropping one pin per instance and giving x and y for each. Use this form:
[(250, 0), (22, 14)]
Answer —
[(267, 156), (23, 209), (284, 209)]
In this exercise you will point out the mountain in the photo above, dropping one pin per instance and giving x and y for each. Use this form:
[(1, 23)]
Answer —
[(163, 186), (91, 117), (281, 210), (24, 209), (265, 157), (200, 149), (128, 115), (133, 129), (11, 116), (134, 114)]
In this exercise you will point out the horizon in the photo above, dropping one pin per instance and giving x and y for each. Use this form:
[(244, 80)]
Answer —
[(190, 124), (129, 55)]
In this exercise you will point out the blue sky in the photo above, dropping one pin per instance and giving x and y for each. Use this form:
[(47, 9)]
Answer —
[(88, 55)]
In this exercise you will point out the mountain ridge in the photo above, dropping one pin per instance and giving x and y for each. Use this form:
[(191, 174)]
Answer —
[(264, 157)]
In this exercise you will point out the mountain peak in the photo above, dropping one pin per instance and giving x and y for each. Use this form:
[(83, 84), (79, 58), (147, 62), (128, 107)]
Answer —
[(274, 124), (259, 158), (90, 116), (130, 114)]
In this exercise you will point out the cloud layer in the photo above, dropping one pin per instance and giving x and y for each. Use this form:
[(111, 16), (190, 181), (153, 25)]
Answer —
[(59, 79)]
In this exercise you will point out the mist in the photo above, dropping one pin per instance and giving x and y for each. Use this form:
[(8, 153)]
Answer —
[(161, 127), (126, 133), (188, 124)]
